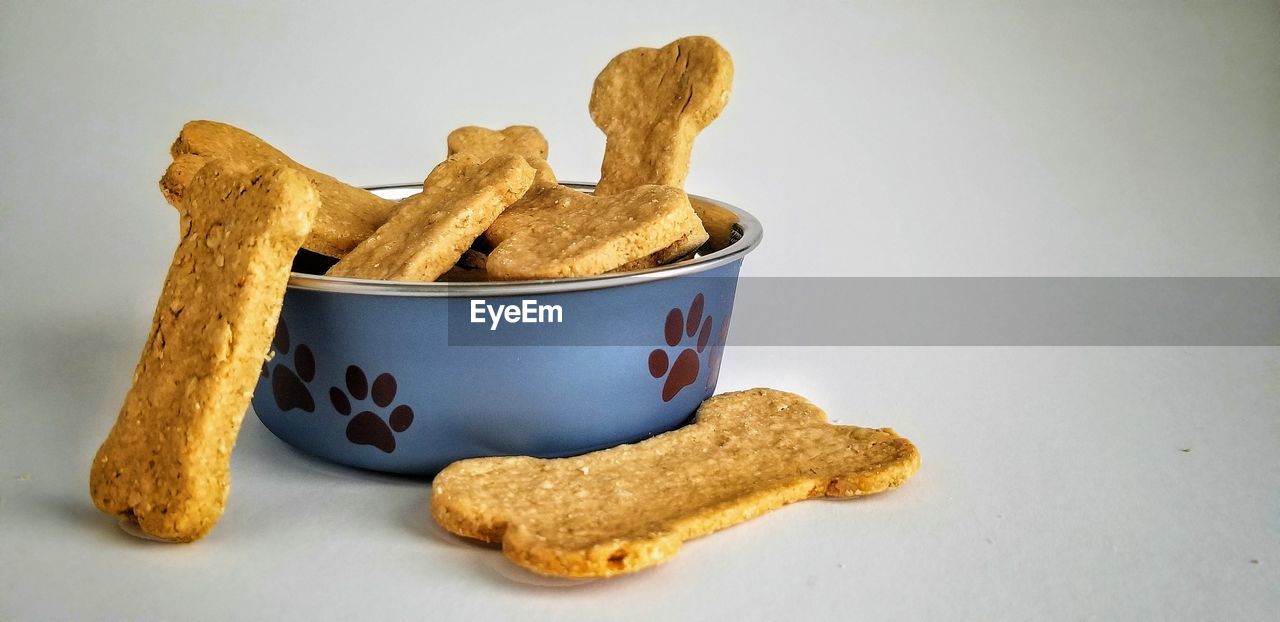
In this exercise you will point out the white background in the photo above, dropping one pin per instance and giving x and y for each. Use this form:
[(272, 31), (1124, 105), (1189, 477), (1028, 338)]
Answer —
[(872, 139)]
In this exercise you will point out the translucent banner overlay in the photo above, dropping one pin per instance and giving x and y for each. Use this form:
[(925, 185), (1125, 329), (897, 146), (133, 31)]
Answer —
[(830, 311)]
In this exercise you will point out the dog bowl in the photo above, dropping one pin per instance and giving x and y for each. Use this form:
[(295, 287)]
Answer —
[(407, 377)]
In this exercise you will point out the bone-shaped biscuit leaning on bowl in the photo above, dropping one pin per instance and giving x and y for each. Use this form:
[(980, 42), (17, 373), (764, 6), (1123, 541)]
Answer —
[(165, 463), (623, 509), (347, 216)]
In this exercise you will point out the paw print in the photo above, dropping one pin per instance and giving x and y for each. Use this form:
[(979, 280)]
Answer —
[(367, 428), (684, 371), (289, 386)]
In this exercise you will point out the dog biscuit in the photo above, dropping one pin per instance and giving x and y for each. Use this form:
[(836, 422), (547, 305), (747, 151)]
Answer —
[(431, 230), (630, 507), (519, 140), (718, 225), (651, 103), (522, 140), (566, 233), (165, 463), (530, 208), (543, 205), (348, 214), (683, 247)]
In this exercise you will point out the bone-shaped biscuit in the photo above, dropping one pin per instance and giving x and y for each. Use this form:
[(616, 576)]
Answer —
[(651, 103), (623, 509), (522, 140), (718, 225), (165, 462), (684, 246), (561, 232), (348, 214), (542, 206), (432, 229)]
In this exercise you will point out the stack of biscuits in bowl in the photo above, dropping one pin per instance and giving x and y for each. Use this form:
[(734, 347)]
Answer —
[(497, 196)]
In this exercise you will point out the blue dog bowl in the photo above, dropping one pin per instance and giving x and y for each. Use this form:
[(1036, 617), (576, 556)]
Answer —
[(408, 377)]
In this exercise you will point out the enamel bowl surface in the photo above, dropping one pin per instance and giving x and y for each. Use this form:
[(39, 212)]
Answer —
[(408, 377)]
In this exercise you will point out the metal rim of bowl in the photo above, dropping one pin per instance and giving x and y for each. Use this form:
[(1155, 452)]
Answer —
[(750, 234)]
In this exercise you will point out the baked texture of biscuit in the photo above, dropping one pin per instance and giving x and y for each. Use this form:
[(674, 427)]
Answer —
[(528, 208), (717, 225), (519, 140), (630, 507), (542, 206), (522, 140), (566, 233), (432, 229), (683, 247), (348, 214), (651, 103), (165, 463)]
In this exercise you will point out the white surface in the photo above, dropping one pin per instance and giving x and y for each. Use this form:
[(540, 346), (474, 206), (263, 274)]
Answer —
[(929, 139)]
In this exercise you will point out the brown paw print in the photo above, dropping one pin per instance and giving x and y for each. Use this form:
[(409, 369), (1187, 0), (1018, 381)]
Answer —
[(289, 386), (684, 371), (367, 428)]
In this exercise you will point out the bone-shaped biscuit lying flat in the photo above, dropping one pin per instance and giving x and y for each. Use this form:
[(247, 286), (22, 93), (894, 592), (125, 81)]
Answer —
[(348, 214), (432, 229), (165, 464), (651, 103), (561, 232), (623, 509)]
